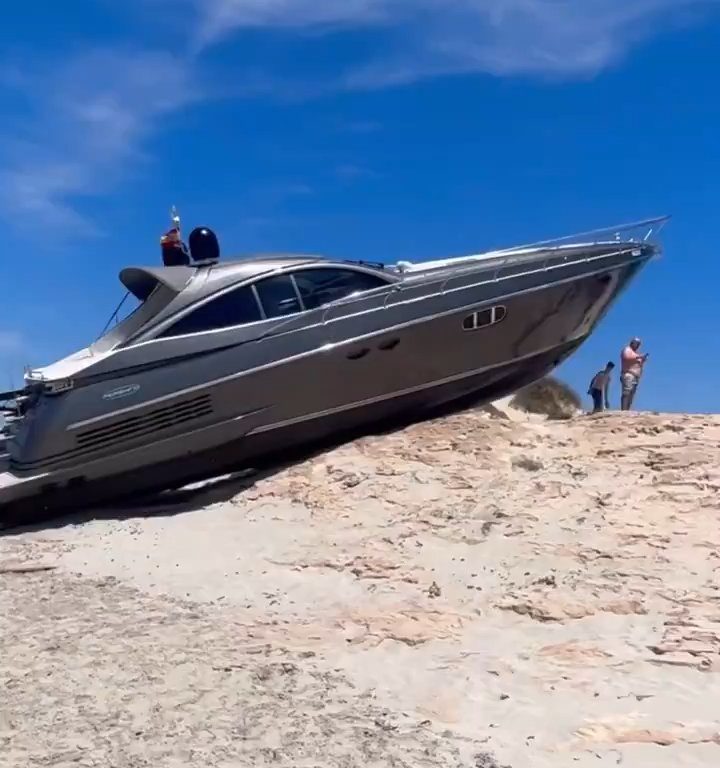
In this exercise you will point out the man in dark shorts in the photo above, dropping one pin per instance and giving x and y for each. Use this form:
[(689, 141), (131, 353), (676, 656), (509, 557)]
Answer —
[(599, 388)]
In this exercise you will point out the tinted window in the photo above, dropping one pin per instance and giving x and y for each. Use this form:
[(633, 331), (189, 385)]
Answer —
[(321, 286), (237, 307), (278, 296)]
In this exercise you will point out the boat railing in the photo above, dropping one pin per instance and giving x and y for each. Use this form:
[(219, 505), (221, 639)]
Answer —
[(628, 237), (644, 230)]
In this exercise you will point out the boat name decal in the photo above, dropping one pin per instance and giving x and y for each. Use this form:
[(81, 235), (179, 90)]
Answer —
[(126, 391)]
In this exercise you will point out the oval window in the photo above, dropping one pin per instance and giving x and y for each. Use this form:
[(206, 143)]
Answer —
[(484, 318), (499, 314)]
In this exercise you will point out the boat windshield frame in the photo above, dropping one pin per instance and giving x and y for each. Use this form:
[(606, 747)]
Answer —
[(159, 298)]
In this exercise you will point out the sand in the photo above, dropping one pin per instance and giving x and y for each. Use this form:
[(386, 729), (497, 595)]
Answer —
[(478, 591)]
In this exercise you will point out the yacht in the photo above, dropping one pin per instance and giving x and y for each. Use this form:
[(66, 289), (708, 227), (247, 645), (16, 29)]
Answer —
[(223, 364)]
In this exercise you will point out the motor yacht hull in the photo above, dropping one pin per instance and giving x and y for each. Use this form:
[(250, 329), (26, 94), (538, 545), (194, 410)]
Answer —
[(410, 355), (41, 496)]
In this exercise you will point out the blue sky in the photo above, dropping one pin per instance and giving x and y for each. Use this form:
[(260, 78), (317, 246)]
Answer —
[(379, 129)]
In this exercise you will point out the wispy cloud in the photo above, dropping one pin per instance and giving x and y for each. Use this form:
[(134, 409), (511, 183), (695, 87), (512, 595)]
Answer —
[(88, 119), (425, 38), (221, 17), (85, 126), (350, 172)]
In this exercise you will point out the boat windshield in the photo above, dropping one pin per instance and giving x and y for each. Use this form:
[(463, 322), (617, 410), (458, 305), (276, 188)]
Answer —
[(139, 316)]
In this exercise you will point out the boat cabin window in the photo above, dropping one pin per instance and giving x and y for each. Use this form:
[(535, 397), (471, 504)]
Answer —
[(271, 297), (323, 286), (278, 296), (237, 307), (311, 288), (484, 318)]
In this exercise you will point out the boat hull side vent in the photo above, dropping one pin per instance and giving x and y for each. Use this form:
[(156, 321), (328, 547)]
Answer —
[(153, 422)]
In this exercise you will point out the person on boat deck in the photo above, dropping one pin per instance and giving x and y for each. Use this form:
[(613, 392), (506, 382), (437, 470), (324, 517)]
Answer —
[(632, 363), (174, 250), (599, 388)]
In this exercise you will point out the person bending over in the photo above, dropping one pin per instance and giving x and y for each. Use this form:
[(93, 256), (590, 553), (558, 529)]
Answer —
[(599, 389)]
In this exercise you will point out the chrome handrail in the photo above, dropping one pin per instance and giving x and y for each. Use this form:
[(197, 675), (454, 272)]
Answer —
[(544, 268), (658, 222), (397, 288), (654, 226), (391, 288)]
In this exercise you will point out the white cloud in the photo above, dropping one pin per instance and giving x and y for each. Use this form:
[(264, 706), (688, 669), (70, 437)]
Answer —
[(350, 172), (90, 117), (87, 121), (435, 37), (221, 17)]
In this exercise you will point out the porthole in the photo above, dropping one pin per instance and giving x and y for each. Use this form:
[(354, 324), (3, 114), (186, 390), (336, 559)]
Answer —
[(484, 318)]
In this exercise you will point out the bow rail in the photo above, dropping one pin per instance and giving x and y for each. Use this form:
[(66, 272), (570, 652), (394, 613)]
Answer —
[(628, 237), (645, 229)]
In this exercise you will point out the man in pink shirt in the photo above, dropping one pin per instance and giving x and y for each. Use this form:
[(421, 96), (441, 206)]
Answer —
[(632, 363)]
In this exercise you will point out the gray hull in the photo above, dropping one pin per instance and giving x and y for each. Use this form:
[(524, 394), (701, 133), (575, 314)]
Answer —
[(286, 443), (171, 412)]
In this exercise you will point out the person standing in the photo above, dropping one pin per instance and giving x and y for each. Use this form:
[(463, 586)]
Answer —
[(599, 389), (632, 364)]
